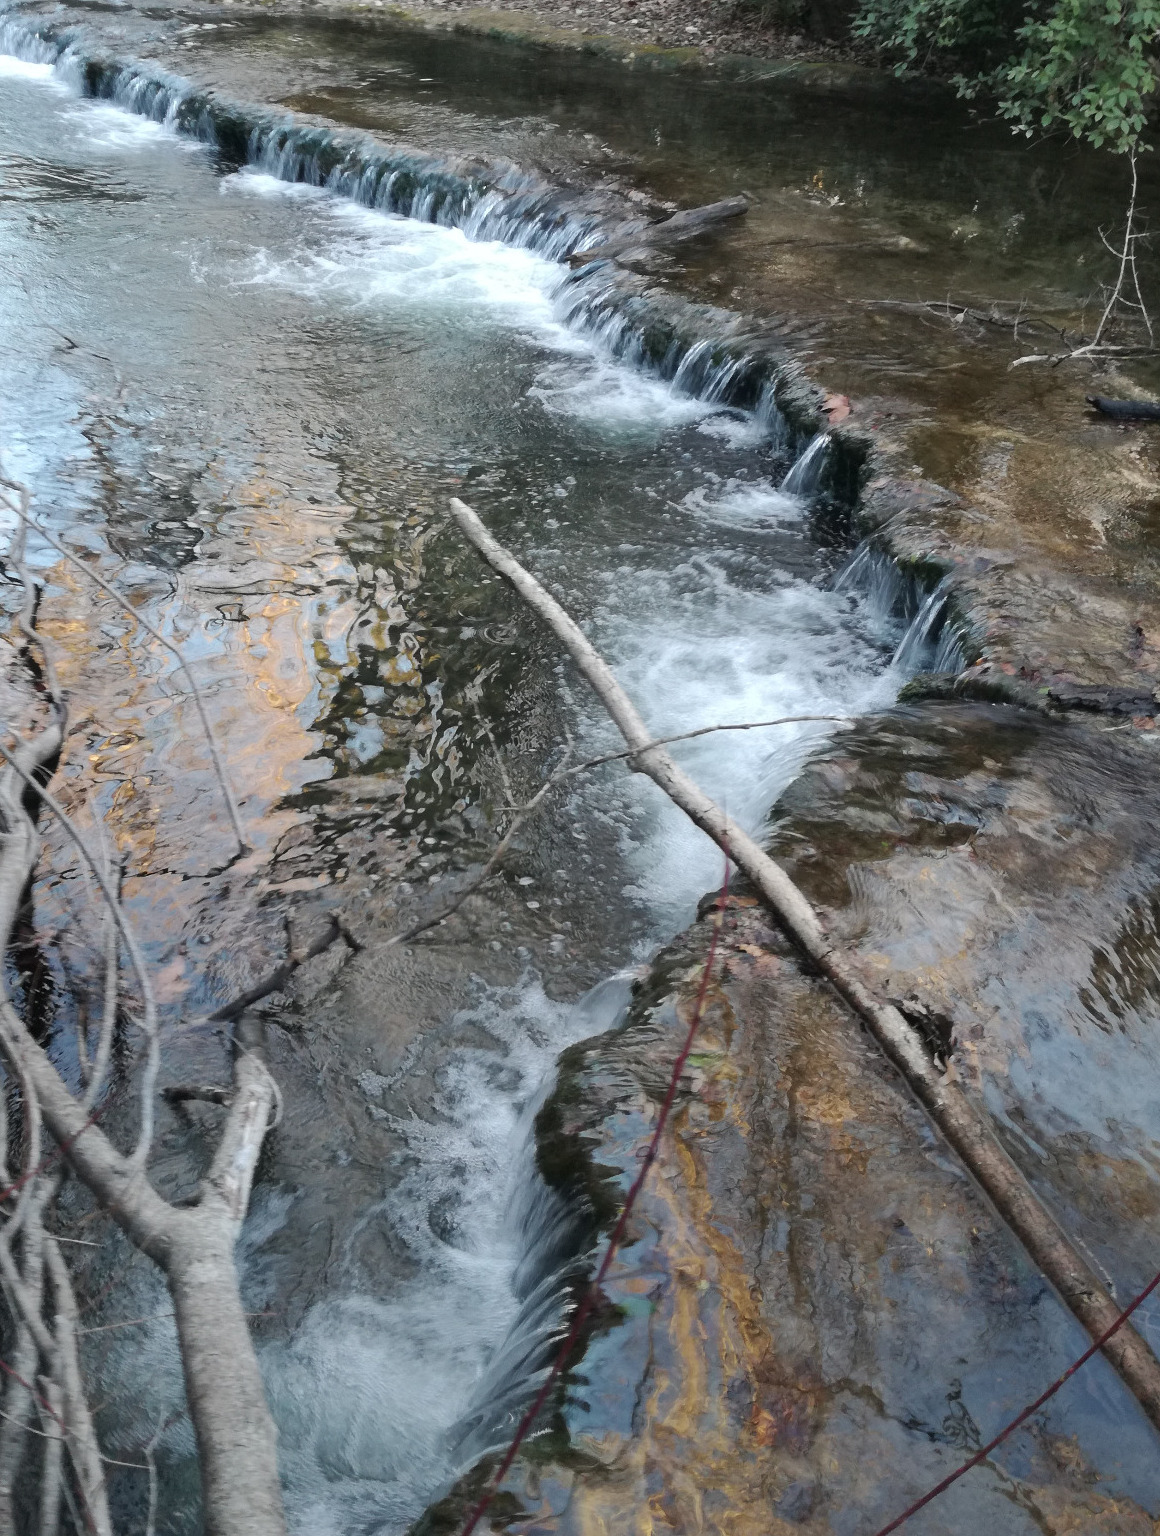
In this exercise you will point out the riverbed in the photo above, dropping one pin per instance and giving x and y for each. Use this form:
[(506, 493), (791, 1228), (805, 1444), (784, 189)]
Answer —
[(244, 381)]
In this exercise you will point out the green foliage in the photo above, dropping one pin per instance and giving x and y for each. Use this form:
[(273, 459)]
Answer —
[(920, 32), (1087, 67)]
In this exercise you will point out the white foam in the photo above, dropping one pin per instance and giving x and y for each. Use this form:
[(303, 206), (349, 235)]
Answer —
[(735, 428), (368, 1391), (694, 648), (745, 504), (357, 256), (254, 183), (614, 397), (12, 68), (103, 126)]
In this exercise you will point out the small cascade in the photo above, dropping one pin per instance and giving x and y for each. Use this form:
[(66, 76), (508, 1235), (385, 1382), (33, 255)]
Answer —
[(892, 596), (700, 352), (803, 477), (21, 42), (932, 642)]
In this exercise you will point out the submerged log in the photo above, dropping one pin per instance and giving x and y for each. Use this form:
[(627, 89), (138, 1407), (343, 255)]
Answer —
[(962, 1123), (1124, 410), (681, 226)]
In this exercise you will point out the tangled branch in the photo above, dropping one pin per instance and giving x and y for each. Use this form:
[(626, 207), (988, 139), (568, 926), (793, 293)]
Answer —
[(44, 1399)]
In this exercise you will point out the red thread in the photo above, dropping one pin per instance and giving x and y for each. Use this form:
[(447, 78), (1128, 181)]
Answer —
[(48, 1408), (593, 1290), (51, 1157), (1024, 1416), (33, 1393)]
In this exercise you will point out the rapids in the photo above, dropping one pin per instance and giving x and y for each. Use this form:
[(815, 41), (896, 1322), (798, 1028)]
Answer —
[(246, 357)]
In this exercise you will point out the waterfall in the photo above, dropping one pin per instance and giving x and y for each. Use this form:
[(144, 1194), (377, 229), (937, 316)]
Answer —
[(803, 477), (931, 640), (931, 643), (699, 351)]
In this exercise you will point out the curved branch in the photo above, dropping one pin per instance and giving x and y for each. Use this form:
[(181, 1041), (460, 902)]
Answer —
[(149, 1014)]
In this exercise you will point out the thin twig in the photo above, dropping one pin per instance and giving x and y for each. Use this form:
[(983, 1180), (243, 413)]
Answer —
[(705, 730), (148, 1022), (174, 650)]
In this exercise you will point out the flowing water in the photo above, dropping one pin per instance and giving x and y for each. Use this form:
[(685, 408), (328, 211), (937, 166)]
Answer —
[(246, 398), (244, 363)]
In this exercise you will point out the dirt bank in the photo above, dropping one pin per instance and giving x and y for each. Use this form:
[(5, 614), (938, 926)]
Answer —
[(689, 31)]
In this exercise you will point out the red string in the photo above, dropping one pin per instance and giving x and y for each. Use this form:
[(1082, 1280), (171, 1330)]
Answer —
[(1024, 1416), (593, 1290), (50, 1157), (48, 1408)]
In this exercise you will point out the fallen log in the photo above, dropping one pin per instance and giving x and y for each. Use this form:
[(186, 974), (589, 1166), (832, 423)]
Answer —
[(964, 1126), (672, 231), (1124, 410)]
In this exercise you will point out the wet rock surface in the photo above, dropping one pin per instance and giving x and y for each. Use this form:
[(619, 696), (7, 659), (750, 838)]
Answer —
[(1003, 871), (816, 1315), (1035, 628)]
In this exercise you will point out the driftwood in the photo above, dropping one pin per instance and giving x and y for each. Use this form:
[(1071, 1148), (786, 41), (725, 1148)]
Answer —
[(964, 1126), (193, 1245), (685, 225)]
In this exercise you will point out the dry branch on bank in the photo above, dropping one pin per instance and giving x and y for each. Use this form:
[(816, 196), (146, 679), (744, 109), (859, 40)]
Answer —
[(44, 1395), (1123, 296), (964, 1126)]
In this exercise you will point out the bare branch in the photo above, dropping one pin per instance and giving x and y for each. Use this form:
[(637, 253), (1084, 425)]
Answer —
[(966, 1129), (148, 1021), (194, 1244), (277, 979)]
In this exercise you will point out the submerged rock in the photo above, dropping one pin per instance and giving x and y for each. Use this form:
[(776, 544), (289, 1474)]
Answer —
[(816, 1316)]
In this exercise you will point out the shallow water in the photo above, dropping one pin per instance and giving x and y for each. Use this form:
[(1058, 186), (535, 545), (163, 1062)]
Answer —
[(248, 399)]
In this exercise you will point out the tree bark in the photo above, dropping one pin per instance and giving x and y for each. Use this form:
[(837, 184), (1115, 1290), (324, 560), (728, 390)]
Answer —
[(194, 1246), (965, 1127), (236, 1439)]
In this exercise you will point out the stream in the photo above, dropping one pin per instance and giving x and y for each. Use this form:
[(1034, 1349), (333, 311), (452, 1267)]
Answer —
[(242, 373)]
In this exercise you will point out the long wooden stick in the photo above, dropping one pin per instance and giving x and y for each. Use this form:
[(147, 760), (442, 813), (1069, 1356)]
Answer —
[(964, 1126)]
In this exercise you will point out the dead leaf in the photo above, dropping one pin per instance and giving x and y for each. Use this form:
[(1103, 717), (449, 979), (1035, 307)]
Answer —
[(837, 408)]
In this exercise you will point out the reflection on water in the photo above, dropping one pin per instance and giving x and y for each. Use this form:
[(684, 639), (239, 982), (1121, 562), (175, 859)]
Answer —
[(264, 397)]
